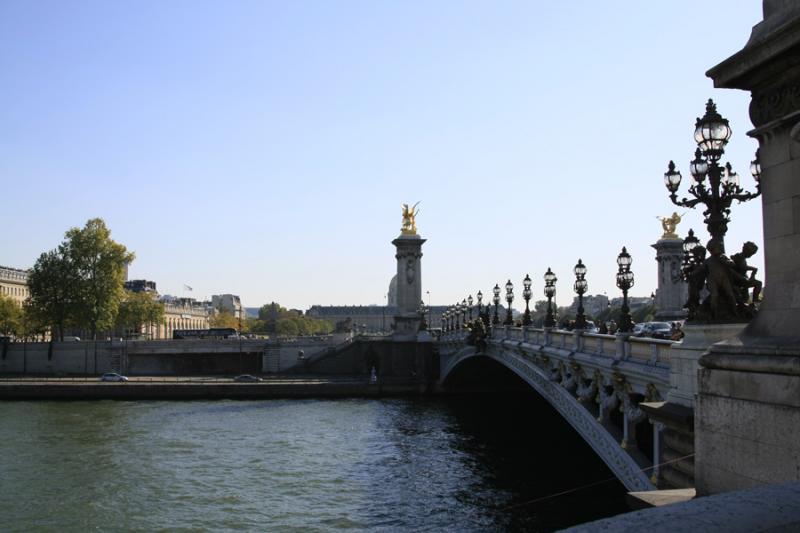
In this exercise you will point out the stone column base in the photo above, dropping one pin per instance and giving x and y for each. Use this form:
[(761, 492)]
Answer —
[(406, 327), (747, 424)]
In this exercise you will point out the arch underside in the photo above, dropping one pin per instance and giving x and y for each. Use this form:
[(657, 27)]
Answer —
[(583, 421)]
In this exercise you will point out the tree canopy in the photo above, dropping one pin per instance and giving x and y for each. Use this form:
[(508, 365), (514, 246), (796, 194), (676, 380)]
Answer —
[(80, 283), (277, 320), (224, 319), (10, 316), (51, 285), (98, 262), (138, 309)]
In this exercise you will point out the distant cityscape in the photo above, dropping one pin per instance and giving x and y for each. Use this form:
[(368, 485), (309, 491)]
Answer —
[(182, 312)]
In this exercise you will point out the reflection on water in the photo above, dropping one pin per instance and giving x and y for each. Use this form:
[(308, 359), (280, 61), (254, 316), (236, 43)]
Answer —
[(313, 465)]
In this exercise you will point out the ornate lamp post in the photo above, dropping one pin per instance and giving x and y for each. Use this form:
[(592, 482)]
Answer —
[(549, 291), (509, 298), (454, 320), (469, 303), (581, 286), (625, 282), (443, 321), (526, 294), (496, 300), (711, 134), (464, 313), (689, 244), (423, 325), (484, 315)]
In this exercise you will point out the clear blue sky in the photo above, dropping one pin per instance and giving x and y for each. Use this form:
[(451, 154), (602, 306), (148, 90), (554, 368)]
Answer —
[(264, 148)]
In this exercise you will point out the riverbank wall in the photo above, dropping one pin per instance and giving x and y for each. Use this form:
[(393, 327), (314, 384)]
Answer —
[(163, 357)]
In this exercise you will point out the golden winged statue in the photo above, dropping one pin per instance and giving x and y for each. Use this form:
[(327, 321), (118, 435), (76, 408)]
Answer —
[(669, 224), (409, 219)]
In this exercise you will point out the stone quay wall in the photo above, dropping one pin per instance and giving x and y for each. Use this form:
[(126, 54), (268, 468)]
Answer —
[(163, 357)]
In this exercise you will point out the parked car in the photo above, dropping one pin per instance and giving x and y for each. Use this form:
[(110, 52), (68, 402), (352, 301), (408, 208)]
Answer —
[(247, 378), (656, 330), (113, 376), (637, 329), (591, 327)]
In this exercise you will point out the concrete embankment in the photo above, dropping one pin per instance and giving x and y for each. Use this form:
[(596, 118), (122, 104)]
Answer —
[(188, 390)]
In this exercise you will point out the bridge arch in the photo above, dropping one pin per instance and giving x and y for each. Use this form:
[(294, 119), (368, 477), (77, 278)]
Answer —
[(603, 443)]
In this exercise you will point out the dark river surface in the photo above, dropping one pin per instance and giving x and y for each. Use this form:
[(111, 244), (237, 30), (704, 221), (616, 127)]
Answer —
[(457, 464)]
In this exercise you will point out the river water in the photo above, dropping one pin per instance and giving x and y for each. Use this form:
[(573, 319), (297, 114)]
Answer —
[(456, 464)]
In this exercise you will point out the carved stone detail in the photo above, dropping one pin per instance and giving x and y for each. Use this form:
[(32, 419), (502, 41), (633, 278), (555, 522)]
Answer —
[(568, 377), (774, 103), (587, 388)]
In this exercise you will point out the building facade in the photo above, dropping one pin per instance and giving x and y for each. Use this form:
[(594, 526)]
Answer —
[(14, 284), (229, 302), (370, 318), (362, 318), (182, 313), (179, 313)]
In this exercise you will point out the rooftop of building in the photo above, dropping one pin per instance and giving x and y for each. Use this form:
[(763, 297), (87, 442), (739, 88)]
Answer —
[(3, 267)]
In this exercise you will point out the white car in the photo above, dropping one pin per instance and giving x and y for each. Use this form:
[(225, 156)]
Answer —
[(111, 376), (247, 378)]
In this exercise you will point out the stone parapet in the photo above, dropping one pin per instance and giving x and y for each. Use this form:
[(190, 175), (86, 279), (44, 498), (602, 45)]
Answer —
[(685, 356)]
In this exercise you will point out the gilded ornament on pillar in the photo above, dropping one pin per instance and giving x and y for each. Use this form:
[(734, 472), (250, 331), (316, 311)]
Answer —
[(669, 224), (409, 220)]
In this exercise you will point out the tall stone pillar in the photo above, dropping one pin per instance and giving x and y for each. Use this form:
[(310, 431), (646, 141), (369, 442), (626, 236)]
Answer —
[(409, 285), (672, 291), (748, 406)]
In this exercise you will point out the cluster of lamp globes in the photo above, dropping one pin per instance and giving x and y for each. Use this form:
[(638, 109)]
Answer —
[(712, 133), (458, 312)]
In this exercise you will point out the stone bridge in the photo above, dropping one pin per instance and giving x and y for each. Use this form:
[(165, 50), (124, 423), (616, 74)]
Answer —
[(596, 382)]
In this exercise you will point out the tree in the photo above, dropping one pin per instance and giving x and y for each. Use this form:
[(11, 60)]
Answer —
[(138, 309), (10, 316), (98, 264), (644, 313), (273, 318), (255, 325), (224, 319), (32, 326), (80, 282), (286, 326), (52, 286)]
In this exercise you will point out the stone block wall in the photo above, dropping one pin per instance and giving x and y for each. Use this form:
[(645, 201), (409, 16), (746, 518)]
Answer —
[(748, 429)]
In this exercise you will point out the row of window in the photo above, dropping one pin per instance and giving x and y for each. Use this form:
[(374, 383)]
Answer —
[(14, 291)]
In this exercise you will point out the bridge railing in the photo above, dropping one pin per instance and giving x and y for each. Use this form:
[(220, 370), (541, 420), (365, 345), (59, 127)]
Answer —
[(639, 349), (649, 350), (599, 344), (453, 336)]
